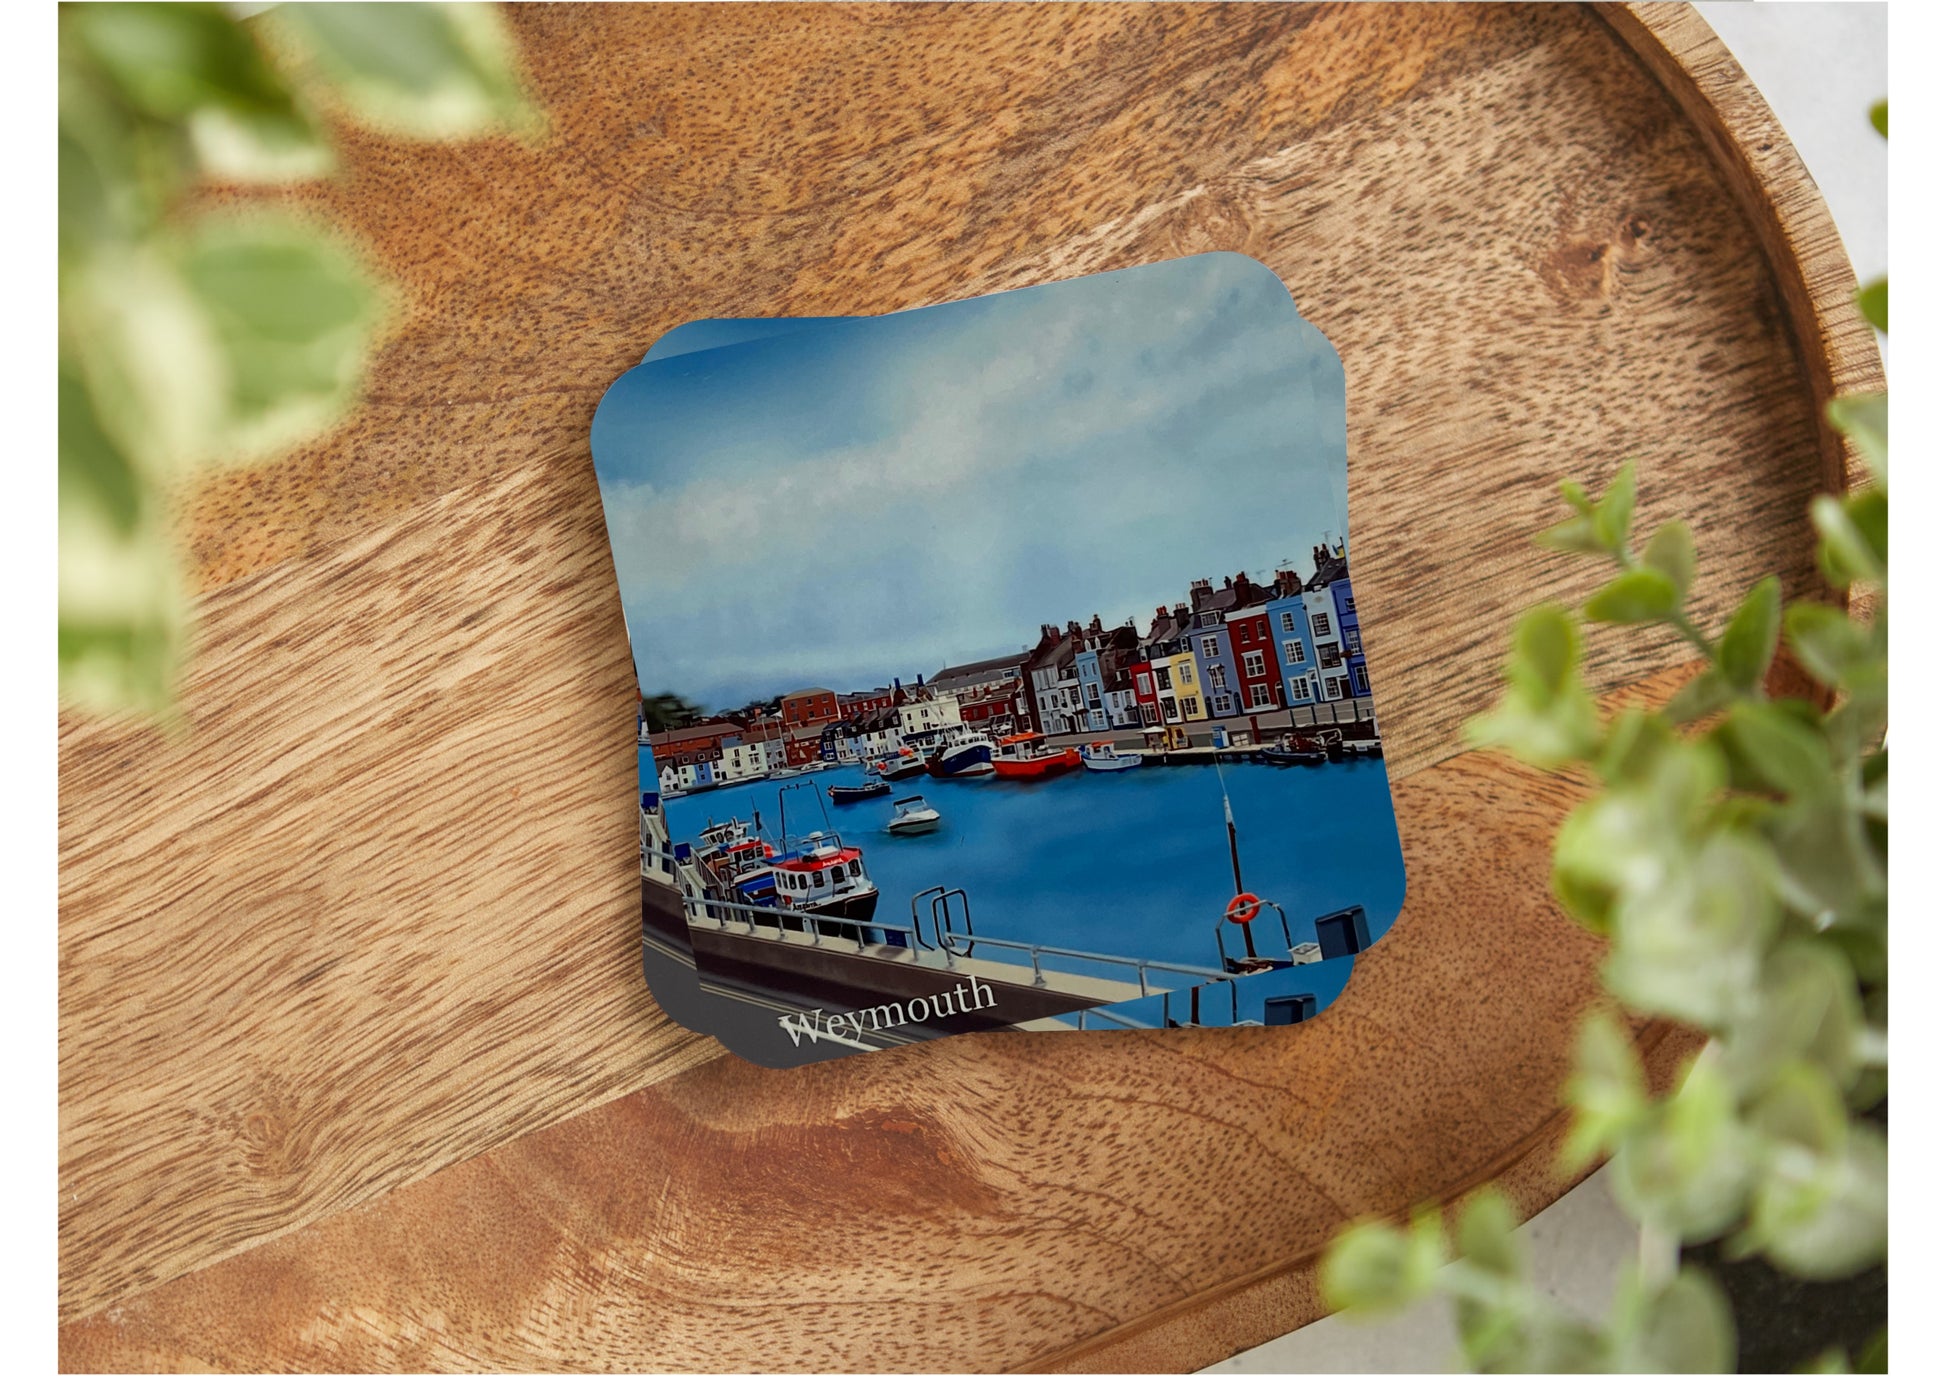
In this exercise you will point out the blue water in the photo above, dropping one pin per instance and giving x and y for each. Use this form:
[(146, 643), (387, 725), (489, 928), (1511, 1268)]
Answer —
[(1135, 863)]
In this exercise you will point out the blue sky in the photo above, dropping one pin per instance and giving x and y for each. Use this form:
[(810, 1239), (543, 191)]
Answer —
[(849, 502)]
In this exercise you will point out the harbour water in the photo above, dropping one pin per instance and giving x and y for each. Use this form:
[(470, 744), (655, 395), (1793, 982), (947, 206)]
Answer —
[(1135, 863)]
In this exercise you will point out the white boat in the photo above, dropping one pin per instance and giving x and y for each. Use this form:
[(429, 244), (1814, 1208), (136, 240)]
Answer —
[(1103, 758), (912, 815)]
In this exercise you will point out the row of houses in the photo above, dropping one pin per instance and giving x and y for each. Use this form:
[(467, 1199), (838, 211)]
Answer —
[(1238, 652)]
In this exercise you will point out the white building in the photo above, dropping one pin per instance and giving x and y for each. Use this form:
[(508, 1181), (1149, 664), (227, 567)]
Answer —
[(747, 759), (1333, 679), (924, 714)]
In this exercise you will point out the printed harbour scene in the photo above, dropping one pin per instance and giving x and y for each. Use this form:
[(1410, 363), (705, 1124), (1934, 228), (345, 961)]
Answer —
[(1005, 646)]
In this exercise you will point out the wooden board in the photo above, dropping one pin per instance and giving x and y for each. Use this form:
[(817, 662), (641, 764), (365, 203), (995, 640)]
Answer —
[(357, 1069)]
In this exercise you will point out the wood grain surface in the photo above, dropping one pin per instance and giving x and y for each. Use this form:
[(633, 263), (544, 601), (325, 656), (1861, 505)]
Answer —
[(357, 1069)]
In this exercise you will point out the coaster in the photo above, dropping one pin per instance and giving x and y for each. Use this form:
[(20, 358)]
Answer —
[(864, 549)]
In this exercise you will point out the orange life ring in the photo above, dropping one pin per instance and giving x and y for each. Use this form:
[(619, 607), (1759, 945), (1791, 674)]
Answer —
[(1244, 908)]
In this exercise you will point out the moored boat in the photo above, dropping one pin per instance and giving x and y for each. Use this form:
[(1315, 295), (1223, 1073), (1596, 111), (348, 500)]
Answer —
[(964, 753), (825, 878), (1022, 756), (905, 765), (914, 815), (858, 793), (1294, 749), (1102, 758)]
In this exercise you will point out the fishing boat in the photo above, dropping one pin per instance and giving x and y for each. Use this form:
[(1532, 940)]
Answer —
[(914, 815), (905, 765), (1102, 758), (1293, 749), (858, 793), (1023, 756), (1365, 750), (825, 878), (961, 754)]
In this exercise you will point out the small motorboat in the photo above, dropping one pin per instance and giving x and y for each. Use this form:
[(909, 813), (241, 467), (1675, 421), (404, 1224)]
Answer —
[(913, 816), (858, 793), (1294, 750), (1103, 758)]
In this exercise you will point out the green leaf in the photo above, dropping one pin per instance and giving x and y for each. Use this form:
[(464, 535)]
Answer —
[(1806, 1011), (192, 66), (432, 71), (1671, 551), (1615, 511), (1606, 1091), (1864, 418), (294, 315), (1853, 547), (1786, 754), (1879, 118), (1373, 1267), (1871, 299), (1688, 1171), (1686, 1326), (1827, 642), (1488, 1235), (1576, 496), (1800, 1106), (1636, 740), (1576, 535), (1547, 717), (1822, 1215), (1703, 695), (1638, 595), (1750, 640)]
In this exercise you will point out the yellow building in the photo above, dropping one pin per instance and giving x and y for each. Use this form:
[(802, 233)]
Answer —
[(1185, 685)]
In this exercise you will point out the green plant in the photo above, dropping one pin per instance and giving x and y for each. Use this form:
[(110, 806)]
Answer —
[(191, 336), (1734, 856)]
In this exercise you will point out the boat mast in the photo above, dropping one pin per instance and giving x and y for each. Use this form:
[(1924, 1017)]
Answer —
[(1236, 865)]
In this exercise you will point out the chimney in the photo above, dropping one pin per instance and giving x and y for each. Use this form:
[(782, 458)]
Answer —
[(1095, 624), (1228, 582), (1161, 612)]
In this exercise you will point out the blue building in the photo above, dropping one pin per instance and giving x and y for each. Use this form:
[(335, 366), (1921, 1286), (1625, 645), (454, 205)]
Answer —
[(1297, 651), (1354, 645)]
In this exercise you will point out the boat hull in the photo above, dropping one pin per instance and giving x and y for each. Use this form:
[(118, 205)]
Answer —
[(913, 828), (841, 794), (1113, 764), (960, 761), (1039, 767), (910, 770)]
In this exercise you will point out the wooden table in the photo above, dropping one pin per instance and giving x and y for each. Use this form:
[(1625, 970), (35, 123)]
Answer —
[(357, 1067)]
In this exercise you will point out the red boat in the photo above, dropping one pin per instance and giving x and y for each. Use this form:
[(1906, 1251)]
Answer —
[(1022, 757)]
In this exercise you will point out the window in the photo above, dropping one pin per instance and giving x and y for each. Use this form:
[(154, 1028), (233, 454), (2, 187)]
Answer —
[(1148, 714), (1353, 644), (1094, 696), (1243, 633), (1328, 655), (1320, 624), (1287, 622), (1219, 677), (1334, 687), (1209, 647), (1223, 706), (1301, 689), (1192, 706), (1169, 709), (1351, 607), (1253, 664), (1260, 695), (1293, 650), (1358, 679)]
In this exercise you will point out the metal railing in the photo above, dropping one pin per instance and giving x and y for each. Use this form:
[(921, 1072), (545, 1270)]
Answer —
[(955, 943)]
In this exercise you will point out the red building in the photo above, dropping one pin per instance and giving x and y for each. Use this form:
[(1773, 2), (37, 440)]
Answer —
[(1142, 679), (801, 744), (996, 705), (692, 744), (1259, 680), (810, 707), (864, 703)]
